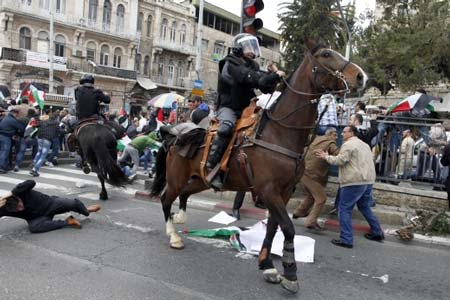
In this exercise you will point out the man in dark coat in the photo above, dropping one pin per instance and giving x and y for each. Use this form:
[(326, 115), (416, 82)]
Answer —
[(88, 98), (239, 75), (38, 209), (445, 161), (10, 126)]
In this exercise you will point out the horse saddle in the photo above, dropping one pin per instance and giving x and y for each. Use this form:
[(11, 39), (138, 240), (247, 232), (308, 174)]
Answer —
[(186, 137), (245, 127), (72, 139)]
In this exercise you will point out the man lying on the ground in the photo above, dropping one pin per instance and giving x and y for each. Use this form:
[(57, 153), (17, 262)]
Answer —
[(38, 209)]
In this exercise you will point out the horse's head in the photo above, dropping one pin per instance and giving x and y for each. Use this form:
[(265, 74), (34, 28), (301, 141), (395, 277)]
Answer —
[(332, 72)]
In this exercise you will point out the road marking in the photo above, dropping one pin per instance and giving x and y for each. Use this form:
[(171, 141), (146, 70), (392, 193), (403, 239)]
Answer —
[(39, 185)]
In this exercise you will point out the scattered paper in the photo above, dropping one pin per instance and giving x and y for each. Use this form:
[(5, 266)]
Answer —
[(222, 218)]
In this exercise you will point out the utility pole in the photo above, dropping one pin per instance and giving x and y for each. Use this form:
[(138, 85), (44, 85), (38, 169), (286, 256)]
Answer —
[(198, 58), (51, 50), (349, 34)]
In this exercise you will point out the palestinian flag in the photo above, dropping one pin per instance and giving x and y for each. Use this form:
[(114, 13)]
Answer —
[(24, 93), (36, 96)]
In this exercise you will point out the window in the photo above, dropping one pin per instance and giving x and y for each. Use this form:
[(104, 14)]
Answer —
[(149, 26), (25, 38), (164, 29), (107, 15), (146, 64), (60, 45), (204, 45), (137, 63), (42, 3), (27, 2), (93, 4), (173, 31), (170, 69), (160, 69), (120, 18), (42, 42), (183, 34), (218, 49), (117, 57), (104, 55), (90, 51), (139, 22), (60, 6)]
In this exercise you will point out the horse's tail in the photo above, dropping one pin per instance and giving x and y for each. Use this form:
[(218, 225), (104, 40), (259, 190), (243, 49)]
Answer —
[(108, 167), (160, 178)]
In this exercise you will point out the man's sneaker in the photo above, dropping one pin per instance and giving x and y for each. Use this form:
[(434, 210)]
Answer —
[(49, 164), (145, 173), (34, 173), (16, 169)]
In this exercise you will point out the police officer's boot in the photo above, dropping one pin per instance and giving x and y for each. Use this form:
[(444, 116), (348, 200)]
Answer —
[(72, 142), (215, 154)]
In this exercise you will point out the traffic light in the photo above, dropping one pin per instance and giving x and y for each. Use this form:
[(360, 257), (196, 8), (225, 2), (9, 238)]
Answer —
[(250, 24)]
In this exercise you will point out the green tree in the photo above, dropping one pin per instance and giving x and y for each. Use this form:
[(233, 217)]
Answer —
[(310, 18), (408, 46)]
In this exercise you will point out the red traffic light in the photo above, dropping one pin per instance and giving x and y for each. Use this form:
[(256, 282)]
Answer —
[(250, 11)]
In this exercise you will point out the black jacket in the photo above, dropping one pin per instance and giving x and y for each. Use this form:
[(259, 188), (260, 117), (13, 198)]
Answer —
[(48, 129), (36, 204), (445, 160), (10, 126), (88, 101), (237, 80)]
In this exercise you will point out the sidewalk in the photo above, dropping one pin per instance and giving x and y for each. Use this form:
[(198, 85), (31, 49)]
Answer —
[(390, 218)]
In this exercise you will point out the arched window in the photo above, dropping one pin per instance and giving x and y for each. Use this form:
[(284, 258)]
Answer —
[(164, 29), (120, 18), (91, 50), (42, 42), (146, 64), (139, 22), (117, 57), (173, 31), (93, 5), (60, 45), (107, 7), (183, 34), (149, 25), (137, 63), (104, 55), (25, 38)]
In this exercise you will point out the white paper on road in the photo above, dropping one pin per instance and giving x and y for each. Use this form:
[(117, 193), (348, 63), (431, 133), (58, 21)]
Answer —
[(222, 218), (253, 238)]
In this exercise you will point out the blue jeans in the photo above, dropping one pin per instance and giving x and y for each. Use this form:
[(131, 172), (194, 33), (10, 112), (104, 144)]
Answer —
[(24, 144), (5, 147), (360, 195), (41, 156), (55, 149), (146, 158)]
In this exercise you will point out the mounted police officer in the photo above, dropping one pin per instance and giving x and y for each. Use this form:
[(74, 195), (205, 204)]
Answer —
[(88, 99), (239, 75)]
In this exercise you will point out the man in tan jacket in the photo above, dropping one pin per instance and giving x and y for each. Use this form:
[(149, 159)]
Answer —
[(356, 178), (314, 179)]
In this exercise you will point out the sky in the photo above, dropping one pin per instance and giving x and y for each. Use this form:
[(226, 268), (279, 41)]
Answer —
[(269, 13)]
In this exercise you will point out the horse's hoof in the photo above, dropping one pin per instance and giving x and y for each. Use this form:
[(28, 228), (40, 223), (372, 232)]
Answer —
[(272, 276), (178, 245), (103, 197), (291, 286), (86, 169)]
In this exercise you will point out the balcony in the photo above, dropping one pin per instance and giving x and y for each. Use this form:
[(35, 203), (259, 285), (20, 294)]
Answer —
[(174, 47), (13, 55), (19, 7), (181, 82), (87, 67)]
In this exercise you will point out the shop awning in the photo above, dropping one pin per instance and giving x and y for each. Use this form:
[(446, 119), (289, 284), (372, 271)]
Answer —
[(146, 83)]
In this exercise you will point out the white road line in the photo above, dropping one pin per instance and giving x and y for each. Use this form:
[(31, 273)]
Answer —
[(39, 185)]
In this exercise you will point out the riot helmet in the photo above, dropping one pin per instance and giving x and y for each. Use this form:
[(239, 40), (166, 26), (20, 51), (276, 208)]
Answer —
[(245, 43), (87, 78)]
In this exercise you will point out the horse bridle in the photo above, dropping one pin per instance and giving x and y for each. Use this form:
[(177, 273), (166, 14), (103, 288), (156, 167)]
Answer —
[(315, 70)]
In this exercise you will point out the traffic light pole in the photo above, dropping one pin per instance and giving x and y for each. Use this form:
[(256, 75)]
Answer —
[(241, 25), (349, 34)]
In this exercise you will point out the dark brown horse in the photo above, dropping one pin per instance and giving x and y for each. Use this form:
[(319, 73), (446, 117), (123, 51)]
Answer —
[(275, 158)]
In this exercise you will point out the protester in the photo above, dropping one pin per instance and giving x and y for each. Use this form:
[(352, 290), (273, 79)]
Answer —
[(29, 139), (406, 155), (48, 129), (314, 179), (445, 161), (137, 147), (326, 112), (356, 178), (364, 134), (10, 127), (38, 209)]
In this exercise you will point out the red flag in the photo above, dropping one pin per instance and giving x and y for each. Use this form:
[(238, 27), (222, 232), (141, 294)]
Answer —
[(122, 112)]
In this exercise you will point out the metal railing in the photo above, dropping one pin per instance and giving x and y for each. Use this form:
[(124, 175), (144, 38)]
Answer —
[(13, 54)]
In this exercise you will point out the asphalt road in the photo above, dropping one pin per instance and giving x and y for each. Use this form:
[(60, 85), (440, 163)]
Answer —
[(122, 252)]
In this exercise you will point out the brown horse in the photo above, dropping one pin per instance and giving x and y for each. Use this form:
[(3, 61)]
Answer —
[(275, 158)]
